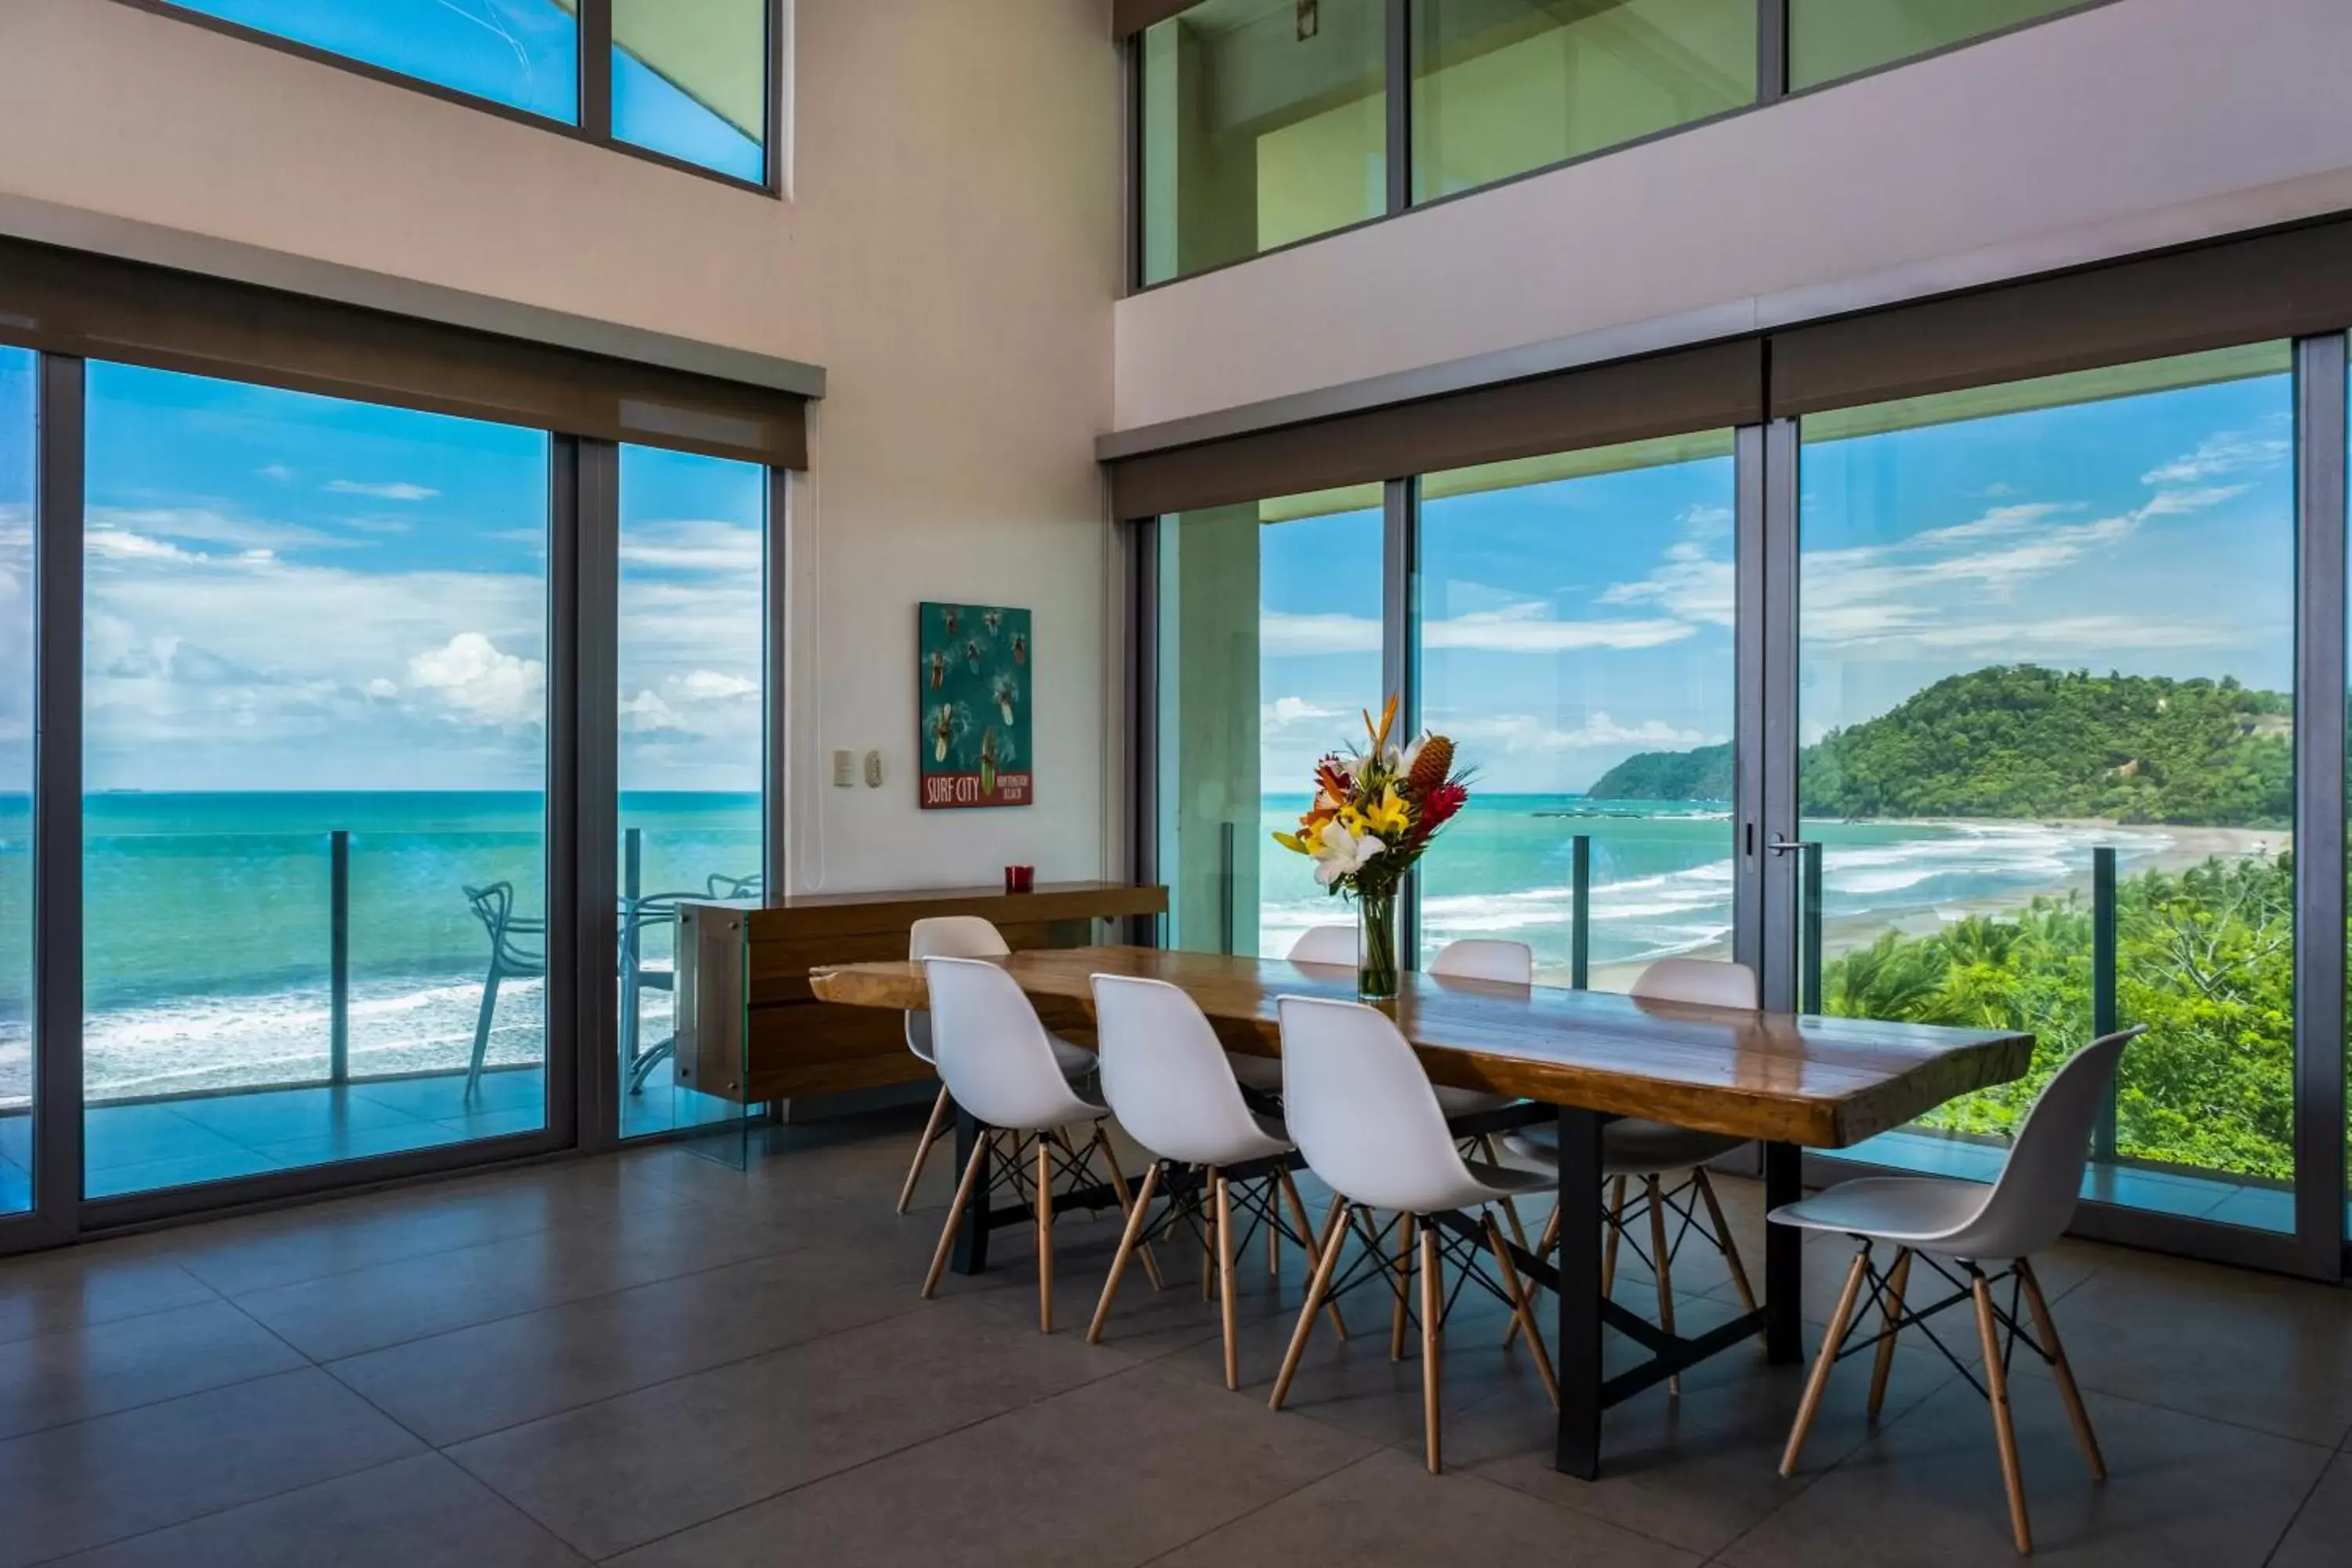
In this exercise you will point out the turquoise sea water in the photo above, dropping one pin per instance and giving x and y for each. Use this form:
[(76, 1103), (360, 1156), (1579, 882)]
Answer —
[(208, 920), (1661, 873)]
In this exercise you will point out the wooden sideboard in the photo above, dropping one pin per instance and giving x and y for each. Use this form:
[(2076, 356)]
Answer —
[(793, 1045)]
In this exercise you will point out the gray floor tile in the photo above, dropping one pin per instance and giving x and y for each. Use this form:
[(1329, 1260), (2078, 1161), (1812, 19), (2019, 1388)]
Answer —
[(422, 1512), (97, 1284), (1165, 1460), (629, 1470), (1387, 1509), (2255, 1349), (414, 1299), (1697, 1471), (477, 1380), (2321, 1535), (76, 1373), (1927, 1490), (276, 1116), (119, 1475)]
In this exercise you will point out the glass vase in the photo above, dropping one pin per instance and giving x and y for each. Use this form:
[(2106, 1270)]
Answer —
[(1376, 946)]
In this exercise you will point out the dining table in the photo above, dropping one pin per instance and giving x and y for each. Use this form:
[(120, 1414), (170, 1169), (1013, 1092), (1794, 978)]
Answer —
[(1788, 1082)]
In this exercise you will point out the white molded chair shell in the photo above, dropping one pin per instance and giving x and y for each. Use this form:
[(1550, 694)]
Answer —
[(1706, 982), (1486, 958), (2023, 1211), (1165, 1076), (1481, 958), (997, 1059), (1359, 1108), (1326, 944), (947, 936)]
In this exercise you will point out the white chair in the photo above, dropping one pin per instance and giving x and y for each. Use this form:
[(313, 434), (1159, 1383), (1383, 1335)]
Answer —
[(1651, 1152), (1942, 1219), (1166, 1080), (1486, 958), (1359, 1108), (1326, 944), (959, 936), (1000, 1064)]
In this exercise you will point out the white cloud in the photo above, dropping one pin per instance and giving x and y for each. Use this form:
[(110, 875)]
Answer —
[(278, 471), (710, 686), (2225, 452), (478, 682), (691, 545), (1326, 633), (1689, 584), (1522, 735), (1284, 712), (382, 689), (395, 491)]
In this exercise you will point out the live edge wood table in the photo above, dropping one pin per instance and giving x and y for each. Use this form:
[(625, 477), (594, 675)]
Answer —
[(1789, 1082)]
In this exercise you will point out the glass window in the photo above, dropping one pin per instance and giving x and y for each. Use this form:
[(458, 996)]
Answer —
[(1270, 627), (1264, 121), (2043, 627), (16, 435), (1833, 39), (315, 755), (1576, 642), (524, 54), (693, 738), (690, 79), (1499, 89)]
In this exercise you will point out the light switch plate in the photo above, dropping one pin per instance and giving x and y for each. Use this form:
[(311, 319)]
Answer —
[(873, 770), (845, 769)]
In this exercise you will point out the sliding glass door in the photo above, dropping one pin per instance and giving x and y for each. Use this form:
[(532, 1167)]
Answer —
[(2047, 667), (1576, 642), (315, 757), (693, 706), (17, 674), (1270, 626)]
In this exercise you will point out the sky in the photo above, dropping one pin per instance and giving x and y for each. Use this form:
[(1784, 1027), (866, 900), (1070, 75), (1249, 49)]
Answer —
[(522, 53), (286, 592), (1570, 625)]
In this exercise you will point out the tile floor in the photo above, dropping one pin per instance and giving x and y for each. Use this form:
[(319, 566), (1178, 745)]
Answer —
[(652, 1360)]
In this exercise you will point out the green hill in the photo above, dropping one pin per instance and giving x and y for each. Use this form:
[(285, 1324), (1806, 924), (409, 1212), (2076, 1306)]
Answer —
[(2023, 740), (1702, 775)]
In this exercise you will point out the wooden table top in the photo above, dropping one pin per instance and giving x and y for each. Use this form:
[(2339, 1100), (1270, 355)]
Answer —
[(1827, 1083)]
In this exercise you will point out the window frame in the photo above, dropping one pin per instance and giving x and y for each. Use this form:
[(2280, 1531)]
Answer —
[(1771, 87), (594, 126)]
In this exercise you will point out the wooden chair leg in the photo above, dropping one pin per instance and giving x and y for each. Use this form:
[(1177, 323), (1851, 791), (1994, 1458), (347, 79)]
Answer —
[(1405, 1233), (2004, 1431), (1044, 1234), (1433, 1314), (1897, 1279), (923, 1150), (1335, 1240), (1511, 1208), (1609, 1236), (972, 1170), (2047, 1328), (1135, 1223), (1225, 1283), (1825, 1361), (1208, 1202), (1127, 1209), (1272, 1231), (1724, 1239), (1523, 1310), (1543, 1249), (1663, 1269), (1310, 1240)]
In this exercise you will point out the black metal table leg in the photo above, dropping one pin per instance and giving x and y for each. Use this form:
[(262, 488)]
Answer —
[(970, 1253), (1784, 1257), (1578, 1451)]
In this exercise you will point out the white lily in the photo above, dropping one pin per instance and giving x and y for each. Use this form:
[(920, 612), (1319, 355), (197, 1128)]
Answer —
[(1339, 853), (1412, 753)]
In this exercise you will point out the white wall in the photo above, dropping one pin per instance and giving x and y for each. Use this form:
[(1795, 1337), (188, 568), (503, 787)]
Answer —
[(2133, 125), (950, 256)]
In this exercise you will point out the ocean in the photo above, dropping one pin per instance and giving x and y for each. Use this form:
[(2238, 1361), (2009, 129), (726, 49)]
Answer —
[(208, 925), (207, 917), (1662, 874)]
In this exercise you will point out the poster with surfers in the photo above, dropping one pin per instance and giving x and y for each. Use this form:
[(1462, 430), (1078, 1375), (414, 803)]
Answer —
[(974, 665)]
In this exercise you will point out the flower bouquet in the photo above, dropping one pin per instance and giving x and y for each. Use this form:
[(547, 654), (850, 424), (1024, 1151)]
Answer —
[(1373, 814)]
